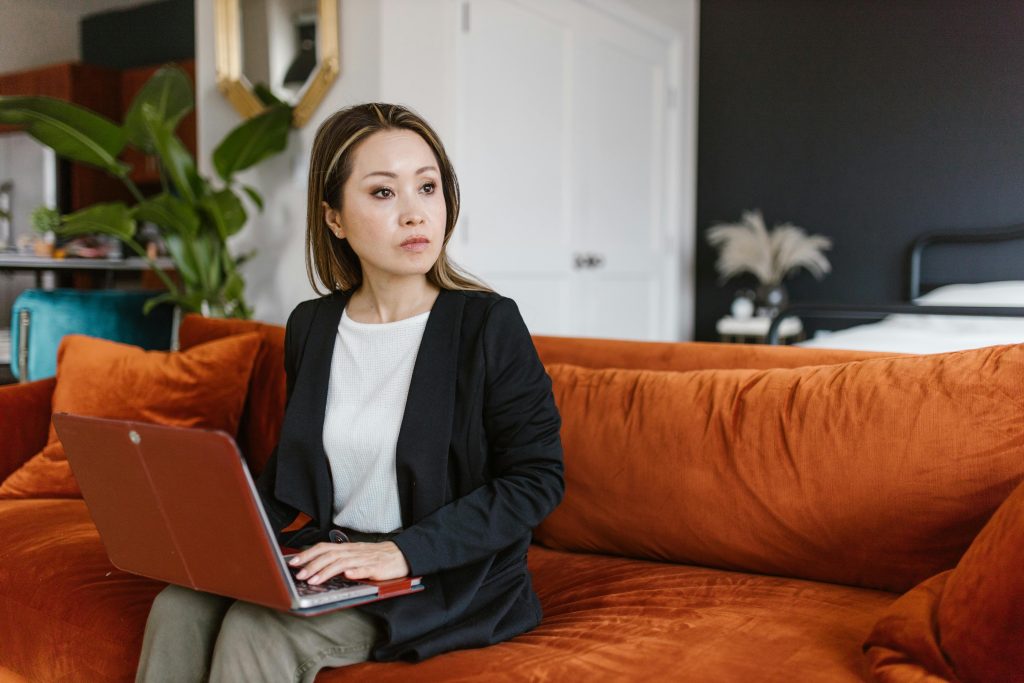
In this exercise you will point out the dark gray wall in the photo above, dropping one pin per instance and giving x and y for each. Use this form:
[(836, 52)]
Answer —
[(869, 121), (139, 36)]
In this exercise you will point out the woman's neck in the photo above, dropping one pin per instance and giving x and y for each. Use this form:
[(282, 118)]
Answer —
[(385, 304)]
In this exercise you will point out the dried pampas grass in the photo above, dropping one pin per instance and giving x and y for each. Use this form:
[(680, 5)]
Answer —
[(749, 247)]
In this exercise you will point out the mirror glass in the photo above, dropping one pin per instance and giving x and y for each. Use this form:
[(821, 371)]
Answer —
[(278, 46)]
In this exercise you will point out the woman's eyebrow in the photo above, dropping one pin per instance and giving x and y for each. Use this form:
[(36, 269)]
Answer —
[(389, 174)]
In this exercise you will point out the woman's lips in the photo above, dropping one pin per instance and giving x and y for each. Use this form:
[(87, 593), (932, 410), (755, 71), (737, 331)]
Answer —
[(416, 245)]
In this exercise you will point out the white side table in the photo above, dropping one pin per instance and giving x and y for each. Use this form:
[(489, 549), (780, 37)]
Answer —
[(755, 329)]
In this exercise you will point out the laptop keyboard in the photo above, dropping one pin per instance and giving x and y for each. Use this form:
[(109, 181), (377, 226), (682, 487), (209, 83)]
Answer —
[(334, 583)]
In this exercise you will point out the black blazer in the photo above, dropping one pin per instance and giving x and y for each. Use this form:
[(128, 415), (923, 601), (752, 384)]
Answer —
[(479, 465)]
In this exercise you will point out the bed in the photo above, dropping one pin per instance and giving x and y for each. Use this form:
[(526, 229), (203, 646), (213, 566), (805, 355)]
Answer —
[(949, 317)]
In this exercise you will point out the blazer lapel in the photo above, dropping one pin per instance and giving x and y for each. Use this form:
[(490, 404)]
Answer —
[(421, 458), (303, 474)]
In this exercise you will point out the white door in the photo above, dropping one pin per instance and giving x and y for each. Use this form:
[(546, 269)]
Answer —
[(568, 153)]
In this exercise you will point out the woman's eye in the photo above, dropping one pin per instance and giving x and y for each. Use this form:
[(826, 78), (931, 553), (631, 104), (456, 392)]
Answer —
[(431, 186), (376, 193)]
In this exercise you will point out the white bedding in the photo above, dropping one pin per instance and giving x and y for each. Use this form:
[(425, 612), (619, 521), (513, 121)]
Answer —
[(937, 333)]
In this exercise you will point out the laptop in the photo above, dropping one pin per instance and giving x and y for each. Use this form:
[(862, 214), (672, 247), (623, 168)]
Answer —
[(178, 504)]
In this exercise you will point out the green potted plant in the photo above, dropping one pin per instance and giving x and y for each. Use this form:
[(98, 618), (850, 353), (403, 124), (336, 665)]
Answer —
[(194, 215)]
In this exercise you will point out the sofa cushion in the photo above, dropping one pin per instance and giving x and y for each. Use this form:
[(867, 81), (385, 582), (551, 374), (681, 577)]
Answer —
[(66, 613), (202, 387), (260, 426), (875, 473), (616, 619), (969, 620), (605, 618)]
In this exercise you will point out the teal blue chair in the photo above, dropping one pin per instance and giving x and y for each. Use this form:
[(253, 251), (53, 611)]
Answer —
[(41, 318)]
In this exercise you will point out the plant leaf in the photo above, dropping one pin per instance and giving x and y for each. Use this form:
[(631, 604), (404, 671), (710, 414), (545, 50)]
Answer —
[(234, 287), (153, 302), (169, 212), (169, 93), (205, 251), (188, 302), (180, 165), (266, 95), (109, 218), (242, 258), (226, 210), (214, 271), (262, 136), (185, 262), (73, 132), (255, 196)]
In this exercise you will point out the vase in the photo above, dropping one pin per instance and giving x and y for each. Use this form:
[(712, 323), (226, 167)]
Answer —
[(771, 298)]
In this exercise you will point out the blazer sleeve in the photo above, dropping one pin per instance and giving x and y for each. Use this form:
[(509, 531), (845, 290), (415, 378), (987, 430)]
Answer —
[(522, 426)]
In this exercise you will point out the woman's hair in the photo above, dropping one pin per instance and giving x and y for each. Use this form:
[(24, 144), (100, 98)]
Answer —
[(330, 166)]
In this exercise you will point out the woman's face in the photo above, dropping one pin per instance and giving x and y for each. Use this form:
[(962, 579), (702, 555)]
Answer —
[(393, 195)]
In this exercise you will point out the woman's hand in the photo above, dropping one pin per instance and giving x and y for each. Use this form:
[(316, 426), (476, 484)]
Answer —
[(375, 561)]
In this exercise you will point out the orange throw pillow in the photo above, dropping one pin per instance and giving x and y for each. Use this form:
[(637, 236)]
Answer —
[(876, 473), (203, 387), (976, 613), (260, 427), (969, 623)]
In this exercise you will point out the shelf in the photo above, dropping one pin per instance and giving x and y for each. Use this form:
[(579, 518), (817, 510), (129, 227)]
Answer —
[(26, 262)]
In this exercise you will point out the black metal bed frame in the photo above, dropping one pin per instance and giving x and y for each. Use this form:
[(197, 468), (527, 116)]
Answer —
[(917, 248)]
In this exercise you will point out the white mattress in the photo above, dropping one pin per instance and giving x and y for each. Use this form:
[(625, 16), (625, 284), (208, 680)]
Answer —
[(937, 333)]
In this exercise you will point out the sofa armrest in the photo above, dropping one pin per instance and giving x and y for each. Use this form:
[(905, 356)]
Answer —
[(24, 422)]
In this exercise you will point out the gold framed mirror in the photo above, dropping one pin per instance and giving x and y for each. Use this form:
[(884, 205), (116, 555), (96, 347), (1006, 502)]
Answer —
[(287, 49)]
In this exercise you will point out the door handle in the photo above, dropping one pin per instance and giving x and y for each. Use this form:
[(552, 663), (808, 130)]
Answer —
[(589, 260)]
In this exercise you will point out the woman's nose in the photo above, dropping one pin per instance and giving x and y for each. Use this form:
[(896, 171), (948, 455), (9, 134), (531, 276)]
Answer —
[(412, 210), (412, 215)]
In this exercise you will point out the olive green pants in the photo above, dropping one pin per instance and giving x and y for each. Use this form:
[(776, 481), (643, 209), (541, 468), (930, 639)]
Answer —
[(196, 636)]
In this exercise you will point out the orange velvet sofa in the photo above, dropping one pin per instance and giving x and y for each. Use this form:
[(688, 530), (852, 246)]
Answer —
[(732, 513)]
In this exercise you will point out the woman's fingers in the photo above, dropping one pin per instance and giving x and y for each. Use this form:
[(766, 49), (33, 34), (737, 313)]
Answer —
[(314, 569), (328, 572), (299, 559), (356, 560)]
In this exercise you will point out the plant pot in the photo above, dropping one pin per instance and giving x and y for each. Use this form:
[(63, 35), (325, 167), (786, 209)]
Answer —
[(42, 249)]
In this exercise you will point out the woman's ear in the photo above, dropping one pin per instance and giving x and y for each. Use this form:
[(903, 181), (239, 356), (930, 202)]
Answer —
[(333, 219)]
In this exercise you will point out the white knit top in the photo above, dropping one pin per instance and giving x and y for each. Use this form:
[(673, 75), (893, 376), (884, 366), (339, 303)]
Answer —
[(370, 373)]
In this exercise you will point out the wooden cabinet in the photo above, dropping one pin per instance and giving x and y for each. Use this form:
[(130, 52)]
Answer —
[(108, 92)]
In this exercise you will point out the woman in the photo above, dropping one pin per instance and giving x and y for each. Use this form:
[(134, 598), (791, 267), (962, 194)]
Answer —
[(420, 422)]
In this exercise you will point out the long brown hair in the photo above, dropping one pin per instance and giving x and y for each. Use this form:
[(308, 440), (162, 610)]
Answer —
[(330, 165)]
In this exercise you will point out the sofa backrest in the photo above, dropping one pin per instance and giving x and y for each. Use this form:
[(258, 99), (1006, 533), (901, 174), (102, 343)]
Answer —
[(782, 460), (874, 473), (624, 353), (260, 426)]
